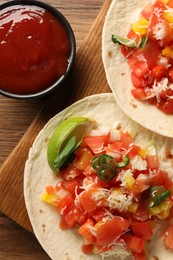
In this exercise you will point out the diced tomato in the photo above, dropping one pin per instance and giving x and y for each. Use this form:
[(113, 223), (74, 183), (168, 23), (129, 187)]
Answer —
[(115, 146), (168, 107), (75, 215), (88, 203), (154, 30), (99, 214), (50, 189), (152, 161), (71, 185), (126, 139), (158, 72), (170, 3), (142, 230), (132, 35), (126, 51), (168, 237), (138, 82), (70, 172), (147, 11), (65, 204), (160, 5), (170, 75), (151, 52), (96, 143), (83, 159), (110, 230), (88, 249), (138, 93), (133, 151), (161, 178), (86, 232), (137, 244), (140, 69)]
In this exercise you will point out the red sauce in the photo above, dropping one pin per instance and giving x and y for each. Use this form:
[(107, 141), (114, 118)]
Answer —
[(34, 49)]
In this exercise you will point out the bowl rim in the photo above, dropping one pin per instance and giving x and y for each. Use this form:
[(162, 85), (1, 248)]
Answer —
[(65, 23)]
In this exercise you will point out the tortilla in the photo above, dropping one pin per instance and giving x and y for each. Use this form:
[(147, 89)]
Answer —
[(44, 218), (120, 17)]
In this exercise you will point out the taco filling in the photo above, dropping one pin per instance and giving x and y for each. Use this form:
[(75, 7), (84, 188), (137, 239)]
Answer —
[(113, 193), (148, 48)]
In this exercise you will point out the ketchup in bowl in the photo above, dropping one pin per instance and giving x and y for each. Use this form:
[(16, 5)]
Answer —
[(34, 49)]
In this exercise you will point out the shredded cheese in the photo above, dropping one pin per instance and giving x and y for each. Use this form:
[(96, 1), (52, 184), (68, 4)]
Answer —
[(118, 200), (138, 163)]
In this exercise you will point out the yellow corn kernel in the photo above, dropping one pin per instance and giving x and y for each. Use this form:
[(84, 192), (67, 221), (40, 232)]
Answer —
[(168, 52), (166, 209), (141, 26), (143, 153), (169, 16), (129, 181), (165, 1), (50, 198), (133, 207), (162, 211)]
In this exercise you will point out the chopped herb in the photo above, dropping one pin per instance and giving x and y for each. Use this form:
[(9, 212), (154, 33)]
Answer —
[(67, 154)]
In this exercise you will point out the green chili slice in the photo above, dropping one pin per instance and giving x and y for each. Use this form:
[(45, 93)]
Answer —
[(125, 161), (106, 166), (159, 194)]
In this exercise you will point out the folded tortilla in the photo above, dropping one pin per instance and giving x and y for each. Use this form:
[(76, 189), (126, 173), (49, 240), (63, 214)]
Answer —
[(66, 245), (120, 17)]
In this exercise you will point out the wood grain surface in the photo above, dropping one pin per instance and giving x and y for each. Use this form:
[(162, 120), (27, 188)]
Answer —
[(16, 115)]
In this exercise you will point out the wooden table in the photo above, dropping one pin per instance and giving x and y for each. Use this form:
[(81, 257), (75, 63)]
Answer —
[(15, 242)]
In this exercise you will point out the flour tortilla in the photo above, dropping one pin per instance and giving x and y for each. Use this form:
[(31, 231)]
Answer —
[(66, 245), (120, 17)]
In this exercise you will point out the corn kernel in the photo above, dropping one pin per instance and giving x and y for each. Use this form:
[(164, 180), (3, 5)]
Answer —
[(162, 211), (165, 1), (143, 153), (168, 52), (169, 16), (50, 198), (133, 207), (141, 26), (129, 181)]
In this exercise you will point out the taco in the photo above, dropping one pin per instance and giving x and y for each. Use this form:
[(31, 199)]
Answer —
[(113, 197), (137, 55)]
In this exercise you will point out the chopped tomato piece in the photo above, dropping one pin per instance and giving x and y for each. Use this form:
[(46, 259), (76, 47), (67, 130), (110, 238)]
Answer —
[(137, 244), (83, 159), (138, 93), (126, 139), (75, 215), (147, 11), (109, 231), (152, 161), (168, 107), (99, 214), (50, 189), (88, 249), (168, 237), (138, 82), (170, 75), (158, 72), (65, 204), (96, 143), (170, 3), (85, 231), (132, 35), (142, 230), (140, 69), (88, 203), (71, 186)]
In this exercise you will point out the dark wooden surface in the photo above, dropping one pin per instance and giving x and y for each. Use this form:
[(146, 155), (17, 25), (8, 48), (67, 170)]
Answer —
[(17, 115)]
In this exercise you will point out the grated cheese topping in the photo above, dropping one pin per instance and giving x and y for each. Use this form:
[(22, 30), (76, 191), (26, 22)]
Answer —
[(118, 200), (138, 163)]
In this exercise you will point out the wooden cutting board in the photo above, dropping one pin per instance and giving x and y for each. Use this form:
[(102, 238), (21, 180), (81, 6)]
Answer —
[(88, 77)]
